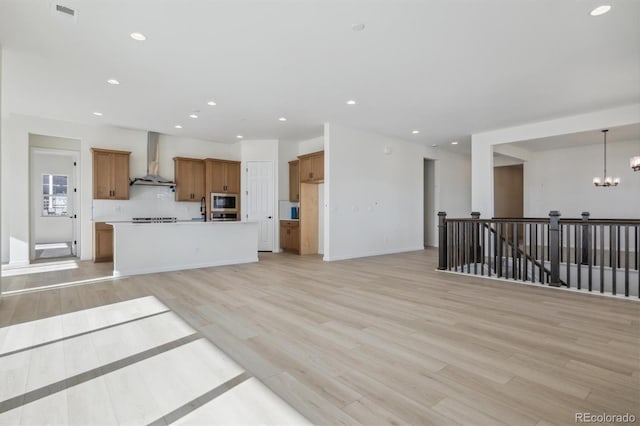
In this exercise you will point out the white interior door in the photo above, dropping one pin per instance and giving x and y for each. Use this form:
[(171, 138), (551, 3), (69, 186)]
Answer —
[(260, 203)]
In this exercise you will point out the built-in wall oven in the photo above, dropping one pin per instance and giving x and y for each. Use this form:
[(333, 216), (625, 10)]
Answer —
[(223, 217), (224, 207)]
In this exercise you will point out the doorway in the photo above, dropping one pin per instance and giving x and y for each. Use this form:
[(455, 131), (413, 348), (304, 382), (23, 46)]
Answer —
[(429, 209), (508, 191), (260, 201), (54, 212)]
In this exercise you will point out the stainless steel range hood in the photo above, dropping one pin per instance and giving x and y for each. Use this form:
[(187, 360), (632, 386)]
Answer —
[(153, 165)]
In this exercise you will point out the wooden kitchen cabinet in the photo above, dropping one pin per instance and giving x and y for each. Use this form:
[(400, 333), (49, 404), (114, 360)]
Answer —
[(222, 176), (312, 167), (190, 179), (103, 242), (110, 174), (294, 181), (290, 235)]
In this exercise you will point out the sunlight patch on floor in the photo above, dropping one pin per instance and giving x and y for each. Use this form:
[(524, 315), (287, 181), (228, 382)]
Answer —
[(38, 268), (133, 362)]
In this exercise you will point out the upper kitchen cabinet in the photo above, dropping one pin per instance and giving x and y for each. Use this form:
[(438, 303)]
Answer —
[(222, 176), (110, 174), (189, 176), (312, 167), (294, 181)]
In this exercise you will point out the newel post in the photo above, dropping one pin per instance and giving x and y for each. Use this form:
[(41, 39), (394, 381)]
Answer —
[(585, 238), (442, 241), (554, 247)]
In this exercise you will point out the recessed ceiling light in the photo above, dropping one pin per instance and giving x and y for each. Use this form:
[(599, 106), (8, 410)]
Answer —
[(600, 10), (211, 103), (282, 119), (351, 102), (434, 145), (138, 36), (97, 114), (415, 132), (357, 27), (193, 115), (239, 136), (454, 143), (177, 126), (113, 81)]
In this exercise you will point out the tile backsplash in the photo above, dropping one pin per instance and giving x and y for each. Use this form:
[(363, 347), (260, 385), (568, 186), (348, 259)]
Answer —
[(145, 201), (284, 209)]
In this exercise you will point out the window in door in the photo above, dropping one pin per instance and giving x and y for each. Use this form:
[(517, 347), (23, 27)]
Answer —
[(54, 195)]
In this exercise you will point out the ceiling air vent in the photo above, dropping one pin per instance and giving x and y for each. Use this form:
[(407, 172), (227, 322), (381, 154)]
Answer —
[(64, 11)]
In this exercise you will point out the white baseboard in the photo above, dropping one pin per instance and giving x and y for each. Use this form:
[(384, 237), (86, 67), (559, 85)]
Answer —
[(371, 253)]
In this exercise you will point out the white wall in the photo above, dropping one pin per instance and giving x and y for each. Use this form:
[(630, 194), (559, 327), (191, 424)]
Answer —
[(453, 183), (15, 170), (262, 150), (562, 180), (482, 144), (373, 200), (311, 145)]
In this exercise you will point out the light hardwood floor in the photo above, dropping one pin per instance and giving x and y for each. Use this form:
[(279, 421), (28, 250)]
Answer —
[(390, 340), (53, 271)]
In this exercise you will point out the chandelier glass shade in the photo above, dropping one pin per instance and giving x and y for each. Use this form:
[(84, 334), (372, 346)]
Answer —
[(605, 181), (635, 163)]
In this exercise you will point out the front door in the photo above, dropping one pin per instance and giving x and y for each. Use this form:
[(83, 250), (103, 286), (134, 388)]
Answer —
[(260, 203)]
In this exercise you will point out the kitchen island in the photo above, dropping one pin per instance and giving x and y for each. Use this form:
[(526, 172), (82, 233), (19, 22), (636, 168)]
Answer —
[(143, 248)]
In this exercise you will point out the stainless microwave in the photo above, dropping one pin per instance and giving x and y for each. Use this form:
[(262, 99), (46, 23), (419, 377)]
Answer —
[(221, 202)]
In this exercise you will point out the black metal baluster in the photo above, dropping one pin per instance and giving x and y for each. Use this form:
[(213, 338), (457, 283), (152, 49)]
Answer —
[(465, 242), (619, 240), (602, 258), (543, 278), (611, 258), (474, 247), (626, 261), (561, 243), (568, 259), (614, 244), (524, 243), (514, 252), (534, 254), (450, 246), (499, 249), (578, 242), (590, 231), (482, 244), (456, 237), (555, 243), (489, 252)]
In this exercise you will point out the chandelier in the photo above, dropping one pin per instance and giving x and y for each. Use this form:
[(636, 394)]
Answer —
[(635, 163), (606, 180)]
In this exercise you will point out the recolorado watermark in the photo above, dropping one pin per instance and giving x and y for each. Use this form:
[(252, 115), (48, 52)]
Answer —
[(605, 418)]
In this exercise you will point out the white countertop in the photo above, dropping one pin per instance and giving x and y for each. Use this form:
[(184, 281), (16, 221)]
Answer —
[(179, 223)]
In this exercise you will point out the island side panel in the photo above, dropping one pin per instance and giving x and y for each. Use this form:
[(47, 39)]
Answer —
[(160, 247)]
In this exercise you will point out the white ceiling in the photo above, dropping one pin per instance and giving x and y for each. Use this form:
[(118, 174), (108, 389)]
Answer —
[(572, 140), (448, 68)]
